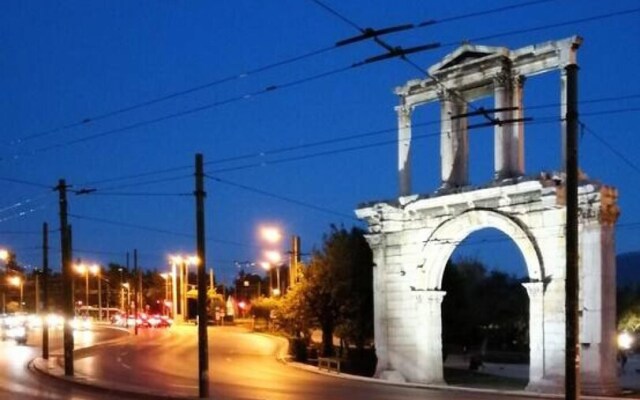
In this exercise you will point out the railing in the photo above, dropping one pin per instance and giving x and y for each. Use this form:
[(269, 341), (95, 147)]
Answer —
[(329, 362)]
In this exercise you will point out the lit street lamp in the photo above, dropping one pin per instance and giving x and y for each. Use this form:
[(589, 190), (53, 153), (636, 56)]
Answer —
[(182, 263), (166, 276), (83, 269), (4, 256), (18, 282), (274, 259)]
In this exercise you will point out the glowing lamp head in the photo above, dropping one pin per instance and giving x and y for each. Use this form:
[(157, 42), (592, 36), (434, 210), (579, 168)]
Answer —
[(273, 256), (15, 280), (625, 340), (4, 254), (270, 234)]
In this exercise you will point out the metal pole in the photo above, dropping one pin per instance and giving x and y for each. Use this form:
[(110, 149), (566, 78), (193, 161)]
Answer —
[(203, 340), (21, 292), (37, 274), (67, 279), (86, 287), (45, 290), (572, 352), (135, 293), (99, 295), (174, 291)]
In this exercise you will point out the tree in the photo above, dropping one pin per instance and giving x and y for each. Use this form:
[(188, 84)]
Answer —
[(339, 290)]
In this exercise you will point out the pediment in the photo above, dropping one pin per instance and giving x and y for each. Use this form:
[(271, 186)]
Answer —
[(465, 54)]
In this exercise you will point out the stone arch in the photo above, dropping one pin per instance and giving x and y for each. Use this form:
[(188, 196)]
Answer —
[(441, 244), (446, 237)]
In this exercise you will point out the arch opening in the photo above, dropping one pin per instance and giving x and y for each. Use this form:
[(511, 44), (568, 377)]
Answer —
[(485, 312)]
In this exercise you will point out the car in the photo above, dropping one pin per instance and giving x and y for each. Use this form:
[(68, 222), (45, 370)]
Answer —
[(81, 323), (14, 327), (160, 321)]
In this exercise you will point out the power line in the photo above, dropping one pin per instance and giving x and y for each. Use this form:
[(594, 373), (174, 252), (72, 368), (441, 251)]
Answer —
[(307, 79), (283, 198), (615, 151), (193, 89), (152, 229), (232, 77), (25, 182)]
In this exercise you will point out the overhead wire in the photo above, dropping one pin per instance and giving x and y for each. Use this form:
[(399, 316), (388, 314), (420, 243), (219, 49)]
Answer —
[(235, 76), (283, 198), (271, 88), (152, 229)]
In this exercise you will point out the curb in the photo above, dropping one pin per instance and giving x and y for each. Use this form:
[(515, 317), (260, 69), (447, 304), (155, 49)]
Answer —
[(284, 358)]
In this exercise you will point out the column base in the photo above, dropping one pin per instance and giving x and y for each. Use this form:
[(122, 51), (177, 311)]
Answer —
[(546, 386), (391, 376)]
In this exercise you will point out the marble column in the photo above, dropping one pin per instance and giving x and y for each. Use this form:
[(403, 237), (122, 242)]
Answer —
[(404, 149), (454, 145), (503, 164), (517, 128), (535, 290), (428, 336)]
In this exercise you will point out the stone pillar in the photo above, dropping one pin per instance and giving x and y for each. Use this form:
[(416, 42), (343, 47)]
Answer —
[(535, 290), (428, 336), (563, 119), (598, 296), (404, 149), (454, 146), (380, 319), (503, 164), (517, 128)]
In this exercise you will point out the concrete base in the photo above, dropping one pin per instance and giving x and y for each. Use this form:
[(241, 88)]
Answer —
[(392, 376), (546, 386)]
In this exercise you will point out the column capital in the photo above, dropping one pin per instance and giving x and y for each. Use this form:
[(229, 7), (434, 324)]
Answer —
[(535, 288), (502, 79), (518, 81), (431, 297)]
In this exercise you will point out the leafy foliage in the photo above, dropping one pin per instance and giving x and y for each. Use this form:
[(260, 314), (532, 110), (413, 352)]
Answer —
[(336, 294)]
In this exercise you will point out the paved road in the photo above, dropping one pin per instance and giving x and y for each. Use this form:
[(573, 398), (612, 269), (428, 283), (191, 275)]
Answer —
[(17, 382), (243, 365)]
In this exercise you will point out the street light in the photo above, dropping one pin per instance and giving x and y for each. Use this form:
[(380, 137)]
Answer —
[(270, 234), (4, 256), (274, 259), (18, 282), (83, 269), (166, 276), (182, 263)]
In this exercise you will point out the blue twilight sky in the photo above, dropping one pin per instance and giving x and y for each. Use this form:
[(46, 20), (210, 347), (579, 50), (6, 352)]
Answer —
[(65, 62)]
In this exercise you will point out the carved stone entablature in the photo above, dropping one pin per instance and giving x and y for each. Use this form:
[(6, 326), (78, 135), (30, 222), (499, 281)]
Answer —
[(609, 210)]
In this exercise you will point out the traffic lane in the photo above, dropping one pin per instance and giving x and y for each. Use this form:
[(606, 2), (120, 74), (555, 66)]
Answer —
[(81, 338), (16, 381), (242, 365)]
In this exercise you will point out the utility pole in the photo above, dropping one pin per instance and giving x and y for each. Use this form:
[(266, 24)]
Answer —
[(203, 340), (67, 279), (572, 284), (135, 292), (37, 294), (45, 290), (140, 294), (294, 262)]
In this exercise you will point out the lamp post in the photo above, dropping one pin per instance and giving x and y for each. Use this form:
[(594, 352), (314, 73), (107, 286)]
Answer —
[(181, 263), (275, 258), (18, 282), (166, 277), (121, 290), (4, 256), (83, 269)]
